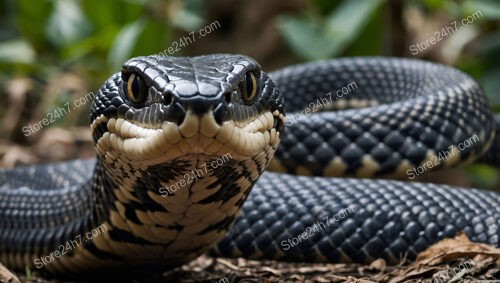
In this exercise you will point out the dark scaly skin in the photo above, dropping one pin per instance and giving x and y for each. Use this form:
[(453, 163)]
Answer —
[(361, 220), (386, 219), (422, 110)]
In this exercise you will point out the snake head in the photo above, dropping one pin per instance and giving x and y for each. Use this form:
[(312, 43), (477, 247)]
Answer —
[(186, 138), (161, 107)]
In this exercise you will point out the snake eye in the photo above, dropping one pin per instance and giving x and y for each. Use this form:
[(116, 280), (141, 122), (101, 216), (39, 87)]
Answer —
[(249, 87), (136, 90)]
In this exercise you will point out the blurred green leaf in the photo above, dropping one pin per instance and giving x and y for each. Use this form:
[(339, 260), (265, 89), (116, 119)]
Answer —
[(156, 35), (324, 7), (434, 4), (99, 42), (187, 20), (324, 39), (347, 21), (457, 42), (102, 14), (490, 82), (67, 24), (9, 28), (488, 9), (490, 46), (483, 176), (137, 2), (124, 43), (306, 38), (370, 41), (190, 15), (16, 51), (32, 19)]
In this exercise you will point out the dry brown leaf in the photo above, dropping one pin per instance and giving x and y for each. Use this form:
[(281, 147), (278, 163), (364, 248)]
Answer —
[(419, 272), (458, 247), (378, 264), (6, 276), (435, 259)]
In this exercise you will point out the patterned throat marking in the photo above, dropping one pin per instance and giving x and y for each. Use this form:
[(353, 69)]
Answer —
[(174, 209)]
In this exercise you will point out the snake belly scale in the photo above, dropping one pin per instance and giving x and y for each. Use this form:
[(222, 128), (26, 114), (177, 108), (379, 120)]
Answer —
[(160, 119)]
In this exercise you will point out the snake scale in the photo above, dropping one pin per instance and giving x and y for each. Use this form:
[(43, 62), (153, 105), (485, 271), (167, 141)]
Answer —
[(183, 142)]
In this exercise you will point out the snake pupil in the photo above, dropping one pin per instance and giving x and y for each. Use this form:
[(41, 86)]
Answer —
[(249, 87), (136, 89)]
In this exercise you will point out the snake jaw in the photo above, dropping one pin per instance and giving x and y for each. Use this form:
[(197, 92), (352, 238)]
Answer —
[(196, 135)]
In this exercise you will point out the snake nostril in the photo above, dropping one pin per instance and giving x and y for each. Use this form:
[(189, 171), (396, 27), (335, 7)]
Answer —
[(167, 98), (228, 96), (176, 113)]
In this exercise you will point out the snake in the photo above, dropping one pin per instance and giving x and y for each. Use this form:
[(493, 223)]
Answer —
[(210, 154)]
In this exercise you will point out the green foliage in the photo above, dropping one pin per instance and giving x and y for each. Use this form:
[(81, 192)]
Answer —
[(31, 17), (53, 40), (124, 43), (354, 27), (485, 66), (489, 8), (483, 176), (67, 24), (324, 37), (191, 17), (91, 36), (16, 51)]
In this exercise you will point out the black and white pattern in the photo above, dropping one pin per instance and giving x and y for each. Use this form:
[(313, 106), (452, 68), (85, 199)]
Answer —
[(408, 111)]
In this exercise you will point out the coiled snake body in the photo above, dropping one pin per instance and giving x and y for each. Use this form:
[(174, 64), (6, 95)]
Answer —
[(181, 142)]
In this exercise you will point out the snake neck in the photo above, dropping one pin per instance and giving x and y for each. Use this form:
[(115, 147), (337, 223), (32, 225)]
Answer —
[(172, 211), (101, 198)]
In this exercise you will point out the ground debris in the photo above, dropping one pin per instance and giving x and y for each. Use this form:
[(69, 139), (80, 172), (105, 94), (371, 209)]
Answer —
[(451, 260), (241, 270)]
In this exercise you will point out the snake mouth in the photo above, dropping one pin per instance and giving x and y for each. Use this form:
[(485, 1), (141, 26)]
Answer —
[(197, 134)]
